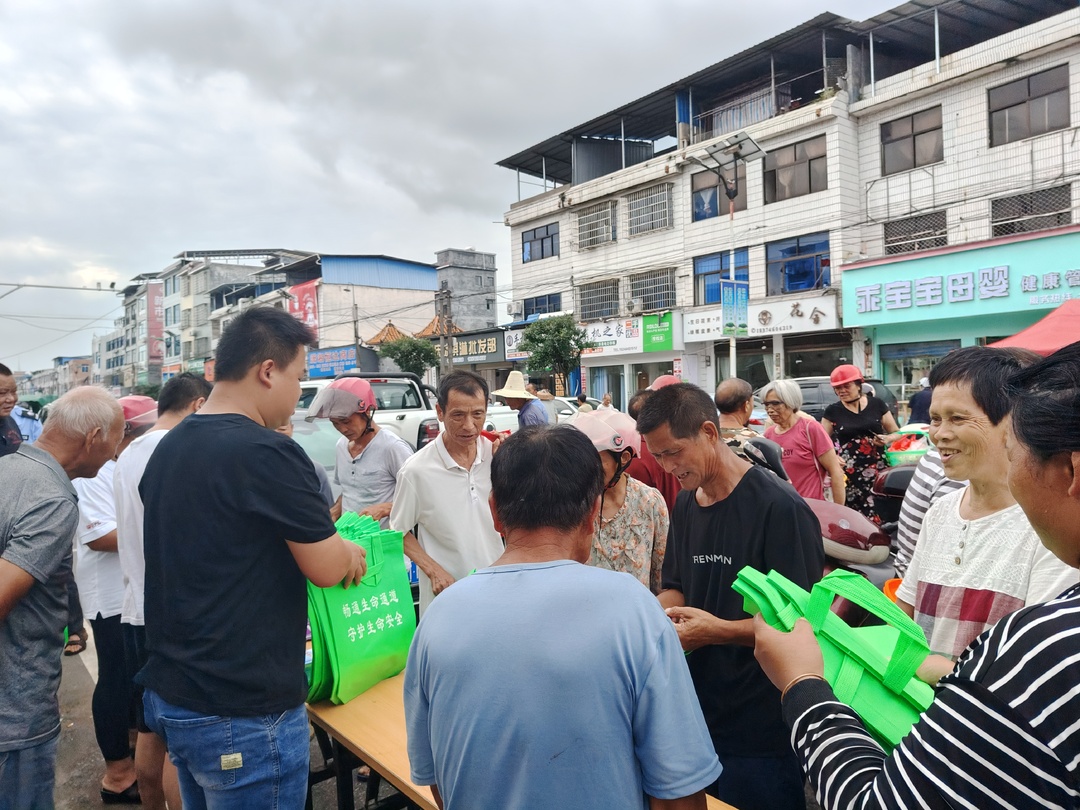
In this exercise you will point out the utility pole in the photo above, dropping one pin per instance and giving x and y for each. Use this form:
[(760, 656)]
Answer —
[(355, 327), (446, 329)]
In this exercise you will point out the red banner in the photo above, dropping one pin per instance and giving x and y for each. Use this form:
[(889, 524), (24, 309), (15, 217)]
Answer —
[(304, 304)]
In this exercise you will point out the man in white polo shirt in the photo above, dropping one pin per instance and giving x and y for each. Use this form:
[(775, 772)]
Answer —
[(444, 490)]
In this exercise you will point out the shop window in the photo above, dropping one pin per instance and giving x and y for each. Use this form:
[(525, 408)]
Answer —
[(598, 300), (539, 243), (708, 196), (596, 225), (798, 264), (710, 270), (653, 290), (542, 304), (912, 141), (648, 210), (796, 170), (1034, 211), (916, 233), (1030, 106), (904, 364)]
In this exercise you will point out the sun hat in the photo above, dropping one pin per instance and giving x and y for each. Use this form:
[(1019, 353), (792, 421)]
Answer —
[(609, 430), (139, 411), (341, 399), (924, 382), (844, 374), (514, 388)]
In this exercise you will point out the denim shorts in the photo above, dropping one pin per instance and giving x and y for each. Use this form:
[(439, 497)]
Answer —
[(234, 762), (27, 777)]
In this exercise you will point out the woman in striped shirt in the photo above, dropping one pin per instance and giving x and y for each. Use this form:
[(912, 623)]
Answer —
[(1004, 728)]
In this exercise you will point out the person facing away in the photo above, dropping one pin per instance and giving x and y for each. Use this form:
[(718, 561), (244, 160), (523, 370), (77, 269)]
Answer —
[(26, 419), (443, 489), (39, 515), (180, 396), (729, 514), (644, 467), (540, 682), (583, 404), (1003, 729), (368, 457), (234, 524), (919, 404)]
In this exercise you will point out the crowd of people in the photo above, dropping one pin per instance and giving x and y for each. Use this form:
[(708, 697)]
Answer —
[(580, 642)]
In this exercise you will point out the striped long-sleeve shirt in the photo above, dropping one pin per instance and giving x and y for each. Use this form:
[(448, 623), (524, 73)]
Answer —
[(928, 483), (1003, 731)]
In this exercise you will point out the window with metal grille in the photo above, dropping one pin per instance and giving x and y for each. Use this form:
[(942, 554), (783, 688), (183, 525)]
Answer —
[(709, 197), (187, 350), (649, 209), (202, 347), (796, 170), (596, 225), (542, 304), (540, 243), (598, 299), (1034, 211), (653, 289), (185, 319), (202, 313), (202, 281), (797, 264), (912, 141), (923, 232), (185, 285), (710, 270), (1030, 106)]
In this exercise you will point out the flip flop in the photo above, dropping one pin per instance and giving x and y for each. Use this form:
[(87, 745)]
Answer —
[(129, 796), (75, 645)]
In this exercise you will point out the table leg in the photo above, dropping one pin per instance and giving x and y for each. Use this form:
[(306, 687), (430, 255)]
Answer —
[(344, 765)]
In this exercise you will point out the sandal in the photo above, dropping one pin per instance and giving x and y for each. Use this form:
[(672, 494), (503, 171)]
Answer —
[(76, 644), (129, 796)]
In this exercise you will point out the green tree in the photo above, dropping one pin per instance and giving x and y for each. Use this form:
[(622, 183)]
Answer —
[(411, 354), (555, 345)]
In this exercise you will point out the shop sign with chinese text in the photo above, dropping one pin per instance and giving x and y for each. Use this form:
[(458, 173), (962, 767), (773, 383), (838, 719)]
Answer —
[(322, 363)]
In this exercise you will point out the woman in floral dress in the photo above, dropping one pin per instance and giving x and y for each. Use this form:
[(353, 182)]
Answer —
[(856, 423), (631, 532)]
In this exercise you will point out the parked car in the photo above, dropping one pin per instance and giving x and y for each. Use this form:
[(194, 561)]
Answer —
[(818, 395), (503, 417), (318, 438)]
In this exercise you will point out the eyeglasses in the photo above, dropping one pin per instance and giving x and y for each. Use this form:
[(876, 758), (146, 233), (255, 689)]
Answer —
[(772, 403)]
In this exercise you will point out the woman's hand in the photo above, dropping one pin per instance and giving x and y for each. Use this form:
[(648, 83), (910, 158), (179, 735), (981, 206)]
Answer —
[(785, 656)]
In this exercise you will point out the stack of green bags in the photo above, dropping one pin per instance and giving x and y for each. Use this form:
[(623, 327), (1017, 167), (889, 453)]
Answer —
[(360, 635), (871, 669)]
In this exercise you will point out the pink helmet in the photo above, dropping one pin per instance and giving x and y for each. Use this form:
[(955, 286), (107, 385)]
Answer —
[(341, 399), (139, 412), (842, 375), (662, 381), (361, 388), (609, 430)]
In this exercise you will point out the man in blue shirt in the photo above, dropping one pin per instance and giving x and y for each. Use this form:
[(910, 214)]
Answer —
[(531, 411), (541, 682)]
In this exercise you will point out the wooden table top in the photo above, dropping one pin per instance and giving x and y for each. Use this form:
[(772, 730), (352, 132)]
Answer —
[(372, 726)]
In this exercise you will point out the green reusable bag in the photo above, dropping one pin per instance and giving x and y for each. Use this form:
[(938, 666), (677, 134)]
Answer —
[(871, 669), (364, 631)]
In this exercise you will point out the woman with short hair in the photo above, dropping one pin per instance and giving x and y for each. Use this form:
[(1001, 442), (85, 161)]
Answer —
[(808, 452), (1002, 730)]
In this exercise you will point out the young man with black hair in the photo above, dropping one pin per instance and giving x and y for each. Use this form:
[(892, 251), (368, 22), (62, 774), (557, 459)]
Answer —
[(541, 682), (729, 514), (444, 487), (180, 397), (10, 432), (234, 523)]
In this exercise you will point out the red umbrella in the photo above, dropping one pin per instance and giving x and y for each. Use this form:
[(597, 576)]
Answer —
[(1055, 331)]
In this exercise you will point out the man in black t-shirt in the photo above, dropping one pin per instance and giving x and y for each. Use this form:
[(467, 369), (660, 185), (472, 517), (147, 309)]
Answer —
[(233, 524), (729, 514)]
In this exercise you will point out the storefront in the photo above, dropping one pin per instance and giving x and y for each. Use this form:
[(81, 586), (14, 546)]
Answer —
[(482, 352), (629, 353), (794, 336), (913, 311)]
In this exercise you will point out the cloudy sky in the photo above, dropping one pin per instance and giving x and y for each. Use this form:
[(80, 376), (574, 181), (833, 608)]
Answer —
[(132, 131)]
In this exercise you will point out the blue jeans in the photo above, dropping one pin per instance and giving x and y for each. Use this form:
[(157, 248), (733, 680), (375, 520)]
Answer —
[(227, 763), (27, 776)]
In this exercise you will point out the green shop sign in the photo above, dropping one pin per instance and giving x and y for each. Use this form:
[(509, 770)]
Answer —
[(658, 332)]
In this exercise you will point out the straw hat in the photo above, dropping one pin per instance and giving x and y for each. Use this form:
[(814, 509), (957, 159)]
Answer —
[(514, 388)]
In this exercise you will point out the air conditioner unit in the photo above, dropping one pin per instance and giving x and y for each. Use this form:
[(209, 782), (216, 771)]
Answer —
[(633, 306), (515, 309)]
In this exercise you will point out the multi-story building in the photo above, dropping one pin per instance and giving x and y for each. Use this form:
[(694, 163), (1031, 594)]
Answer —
[(469, 276), (108, 358), (142, 325), (684, 250), (64, 374)]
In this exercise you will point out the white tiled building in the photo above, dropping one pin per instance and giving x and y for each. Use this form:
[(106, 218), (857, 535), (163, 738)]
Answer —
[(900, 150)]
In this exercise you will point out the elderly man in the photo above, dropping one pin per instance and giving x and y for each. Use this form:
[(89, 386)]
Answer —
[(735, 401), (531, 410), (368, 457), (39, 514), (730, 514), (10, 433), (541, 682), (443, 488)]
